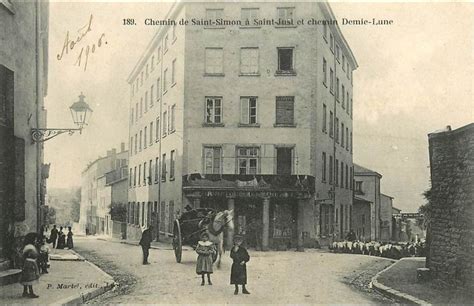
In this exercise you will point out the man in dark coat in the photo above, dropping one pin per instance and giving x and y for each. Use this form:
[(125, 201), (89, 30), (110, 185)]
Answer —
[(145, 242), (240, 257), (54, 236), (351, 236)]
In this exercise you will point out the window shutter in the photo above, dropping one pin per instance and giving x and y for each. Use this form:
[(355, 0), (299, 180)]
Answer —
[(285, 110), (19, 208), (244, 116)]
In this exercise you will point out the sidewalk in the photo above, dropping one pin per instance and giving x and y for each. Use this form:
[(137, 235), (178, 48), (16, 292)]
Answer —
[(158, 245), (399, 281), (70, 280)]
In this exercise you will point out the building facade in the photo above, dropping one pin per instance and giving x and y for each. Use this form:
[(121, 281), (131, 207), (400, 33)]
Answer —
[(221, 116), (386, 204), (23, 86), (96, 190)]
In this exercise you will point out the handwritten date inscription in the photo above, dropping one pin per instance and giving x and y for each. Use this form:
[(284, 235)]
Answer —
[(86, 50)]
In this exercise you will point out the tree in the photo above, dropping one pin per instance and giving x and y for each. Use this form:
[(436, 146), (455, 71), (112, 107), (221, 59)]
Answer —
[(49, 215), (118, 212)]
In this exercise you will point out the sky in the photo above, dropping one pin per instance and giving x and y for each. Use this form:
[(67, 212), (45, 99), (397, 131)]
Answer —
[(414, 77)]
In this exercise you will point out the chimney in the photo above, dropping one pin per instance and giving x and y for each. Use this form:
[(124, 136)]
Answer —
[(122, 146), (114, 152), (109, 152)]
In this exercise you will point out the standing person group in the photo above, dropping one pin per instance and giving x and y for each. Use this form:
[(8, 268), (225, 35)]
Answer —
[(58, 238)]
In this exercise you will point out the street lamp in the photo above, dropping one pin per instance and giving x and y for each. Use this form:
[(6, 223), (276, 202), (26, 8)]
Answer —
[(80, 112)]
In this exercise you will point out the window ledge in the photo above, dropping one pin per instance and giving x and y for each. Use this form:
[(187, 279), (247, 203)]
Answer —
[(207, 124), (325, 85), (285, 73), (252, 125), (249, 74), (173, 85), (206, 74), (172, 178), (284, 125)]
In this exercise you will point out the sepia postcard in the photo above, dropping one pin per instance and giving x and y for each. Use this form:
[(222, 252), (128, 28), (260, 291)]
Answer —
[(236, 152)]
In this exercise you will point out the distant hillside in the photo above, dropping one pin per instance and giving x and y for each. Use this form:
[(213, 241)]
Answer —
[(66, 202)]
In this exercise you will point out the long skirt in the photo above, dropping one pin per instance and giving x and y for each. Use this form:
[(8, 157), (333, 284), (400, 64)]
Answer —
[(30, 274), (204, 264), (238, 274)]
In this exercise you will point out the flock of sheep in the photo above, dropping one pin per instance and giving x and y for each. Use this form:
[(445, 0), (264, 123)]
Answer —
[(388, 250)]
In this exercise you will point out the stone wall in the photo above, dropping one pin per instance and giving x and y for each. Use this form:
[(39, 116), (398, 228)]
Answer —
[(451, 232)]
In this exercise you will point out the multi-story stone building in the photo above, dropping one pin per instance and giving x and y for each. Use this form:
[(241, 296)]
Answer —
[(96, 190), (23, 86), (252, 117)]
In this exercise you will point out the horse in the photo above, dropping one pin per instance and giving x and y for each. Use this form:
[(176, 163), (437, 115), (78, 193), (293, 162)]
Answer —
[(215, 229)]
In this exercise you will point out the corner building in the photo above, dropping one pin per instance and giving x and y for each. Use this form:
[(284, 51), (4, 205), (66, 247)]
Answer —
[(252, 118)]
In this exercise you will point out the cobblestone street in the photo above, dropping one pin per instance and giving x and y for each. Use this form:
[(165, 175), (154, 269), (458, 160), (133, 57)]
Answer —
[(274, 277)]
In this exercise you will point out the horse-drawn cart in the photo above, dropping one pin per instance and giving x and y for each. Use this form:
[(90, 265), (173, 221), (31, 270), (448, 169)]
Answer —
[(191, 224)]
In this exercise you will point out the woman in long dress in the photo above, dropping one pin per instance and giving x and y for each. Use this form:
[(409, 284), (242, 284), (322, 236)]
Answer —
[(30, 272), (70, 243), (238, 273), (61, 239), (205, 249)]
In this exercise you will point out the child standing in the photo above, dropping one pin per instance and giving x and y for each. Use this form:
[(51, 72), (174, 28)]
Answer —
[(238, 274), (30, 273), (205, 249)]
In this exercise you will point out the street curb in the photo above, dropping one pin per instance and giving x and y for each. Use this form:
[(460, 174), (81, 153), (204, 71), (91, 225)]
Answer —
[(84, 297), (79, 257), (403, 297)]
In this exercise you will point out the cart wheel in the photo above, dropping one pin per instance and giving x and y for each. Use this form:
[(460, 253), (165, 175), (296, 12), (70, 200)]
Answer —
[(177, 241)]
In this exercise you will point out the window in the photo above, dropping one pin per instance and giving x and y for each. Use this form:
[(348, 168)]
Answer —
[(331, 45), (141, 79), (157, 168), (173, 118), (286, 14), (214, 14), (174, 31), (351, 142), (351, 180), (172, 164), (285, 107), (331, 124), (213, 110), (212, 160), (248, 110), (162, 216), (337, 52), (143, 213), (347, 176), (135, 176), (150, 167), (144, 174), (247, 15), (343, 91), (146, 74), (331, 80), (131, 117), (163, 168), (336, 173), (140, 144), (249, 61), (152, 63), (157, 134), (130, 178), (342, 134), (214, 58), (331, 165), (145, 137), (347, 101), (158, 86), (285, 60), (146, 101), (325, 76), (131, 144), (325, 118), (151, 133), (141, 107), (336, 125), (347, 69), (173, 72), (136, 112), (325, 32), (337, 89), (323, 175), (136, 143), (166, 43), (158, 55), (248, 160), (152, 90), (342, 174), (358, 186), (165, 124), (347, 138), (352, 107), (139, 174), (343, 62), (165, 80)]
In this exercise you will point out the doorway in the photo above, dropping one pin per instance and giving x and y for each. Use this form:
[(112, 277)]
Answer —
[(284, 157)]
